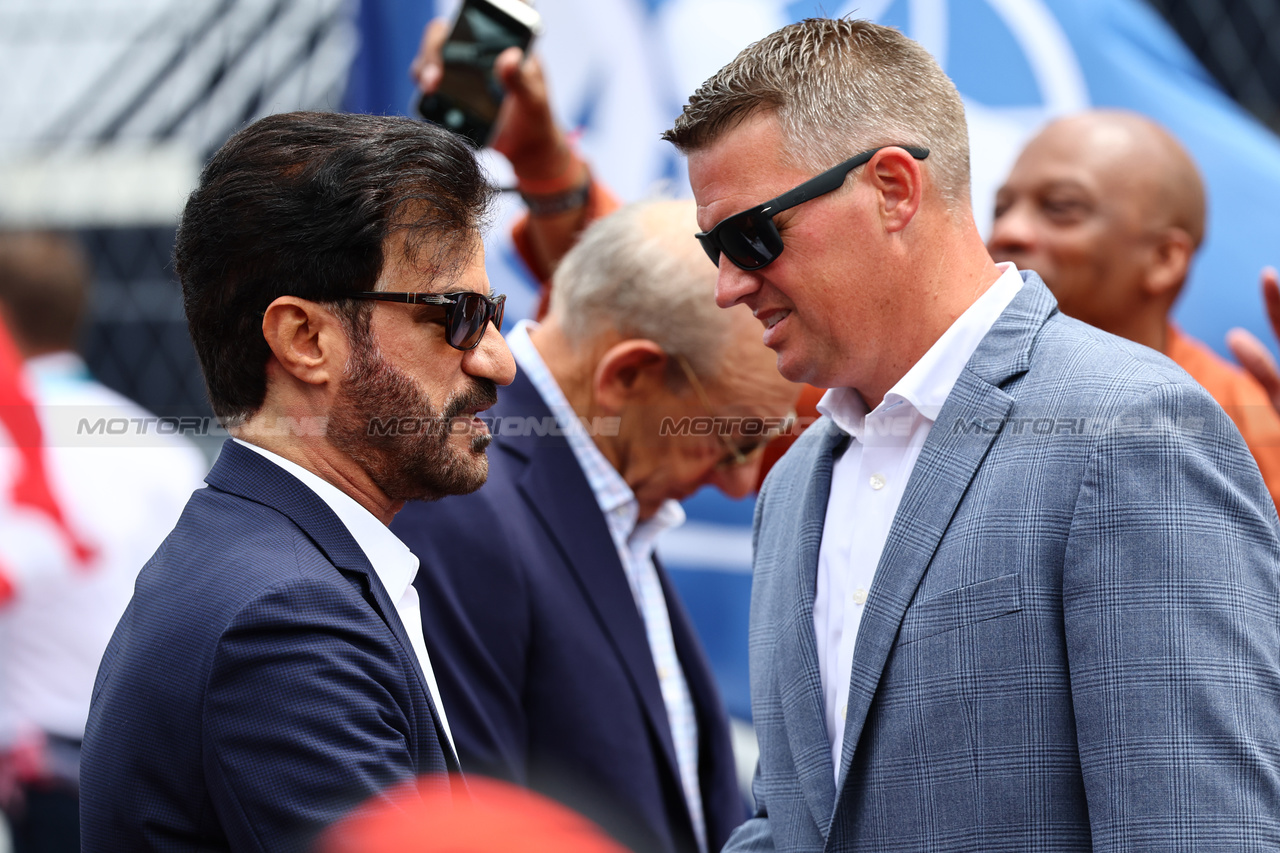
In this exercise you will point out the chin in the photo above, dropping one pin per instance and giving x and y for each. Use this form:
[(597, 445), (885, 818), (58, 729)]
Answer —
[(795, 368)]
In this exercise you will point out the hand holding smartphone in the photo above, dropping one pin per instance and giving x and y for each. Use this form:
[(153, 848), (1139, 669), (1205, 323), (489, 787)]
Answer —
[(468, 98)]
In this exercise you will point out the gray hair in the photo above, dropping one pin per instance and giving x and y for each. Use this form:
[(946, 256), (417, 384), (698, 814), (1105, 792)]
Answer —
[(837, 87), (640, 272)]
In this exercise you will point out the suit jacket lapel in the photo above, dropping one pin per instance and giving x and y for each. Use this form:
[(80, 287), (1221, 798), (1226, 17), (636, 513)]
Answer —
[(717, 775), (559, 495), (796, 658), (243, 472), (958, 442)]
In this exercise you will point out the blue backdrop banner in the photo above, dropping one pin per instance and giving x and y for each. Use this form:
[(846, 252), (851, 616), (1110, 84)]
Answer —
[(620, 70)]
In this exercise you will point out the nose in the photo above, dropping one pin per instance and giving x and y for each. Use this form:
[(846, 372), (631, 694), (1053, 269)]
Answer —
[(733, 285), (1011, 232), (738, 481), (491, 359)]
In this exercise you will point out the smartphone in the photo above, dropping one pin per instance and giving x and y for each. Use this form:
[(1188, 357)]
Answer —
[(469, 97)]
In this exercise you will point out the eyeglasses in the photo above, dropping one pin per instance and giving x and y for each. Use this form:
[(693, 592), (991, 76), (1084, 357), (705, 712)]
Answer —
[(751, 240), (735, 455), (466, 314)]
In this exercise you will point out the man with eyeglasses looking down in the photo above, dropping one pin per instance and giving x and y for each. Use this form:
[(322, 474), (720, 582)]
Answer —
[(567, 660), (1017, 589), (270, 672)]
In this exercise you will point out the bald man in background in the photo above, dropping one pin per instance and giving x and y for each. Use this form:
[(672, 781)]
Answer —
[(1109, 209)]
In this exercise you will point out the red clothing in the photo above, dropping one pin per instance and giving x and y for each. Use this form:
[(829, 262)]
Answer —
[(493, 816), (1240, 396)]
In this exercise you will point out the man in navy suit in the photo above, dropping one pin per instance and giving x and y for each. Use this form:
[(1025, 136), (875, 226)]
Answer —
[(1017, 589), (568, 661), (270, 672)]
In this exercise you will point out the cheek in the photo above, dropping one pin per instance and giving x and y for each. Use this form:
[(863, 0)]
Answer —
[(1071, 257), (696, 467)]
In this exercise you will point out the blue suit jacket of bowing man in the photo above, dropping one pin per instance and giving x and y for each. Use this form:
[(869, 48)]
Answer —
[(259, 685), (540, 650), (1072, 641)]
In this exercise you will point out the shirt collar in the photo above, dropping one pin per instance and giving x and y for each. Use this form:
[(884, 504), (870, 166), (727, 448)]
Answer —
[(393, 562), (612, 494), (930, 380)]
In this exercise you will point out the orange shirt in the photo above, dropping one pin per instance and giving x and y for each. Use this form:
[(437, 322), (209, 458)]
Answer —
[(1240, 396)]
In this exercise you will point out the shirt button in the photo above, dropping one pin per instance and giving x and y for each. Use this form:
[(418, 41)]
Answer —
[(877, 481), (844, 712), (663, 673), (859, 596)]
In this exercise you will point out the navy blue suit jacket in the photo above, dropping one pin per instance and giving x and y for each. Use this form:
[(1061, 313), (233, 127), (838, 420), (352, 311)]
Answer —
[(260, 683), (541, 653)]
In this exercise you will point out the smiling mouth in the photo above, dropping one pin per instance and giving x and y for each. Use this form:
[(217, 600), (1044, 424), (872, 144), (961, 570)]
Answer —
[(772, 319)]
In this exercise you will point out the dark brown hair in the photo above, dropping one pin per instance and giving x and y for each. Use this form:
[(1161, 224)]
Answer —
[(302, 204), (44, 280)]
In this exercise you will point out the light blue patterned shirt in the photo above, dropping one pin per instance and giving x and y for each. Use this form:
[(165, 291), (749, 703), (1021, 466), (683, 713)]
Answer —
[(635, 541)]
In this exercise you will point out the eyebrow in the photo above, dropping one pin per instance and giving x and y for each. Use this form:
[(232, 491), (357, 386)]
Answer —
[(1067, 184), (450, 290)]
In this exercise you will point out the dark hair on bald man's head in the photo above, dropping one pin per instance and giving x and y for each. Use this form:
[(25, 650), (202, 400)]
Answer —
[(302, 204)]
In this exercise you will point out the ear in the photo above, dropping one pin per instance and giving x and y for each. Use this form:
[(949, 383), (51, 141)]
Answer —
[(1170, 262), (899, 180), (307, 339), (629, 371)]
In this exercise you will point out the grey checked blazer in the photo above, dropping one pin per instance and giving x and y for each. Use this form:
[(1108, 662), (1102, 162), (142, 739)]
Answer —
[(1072, 640)]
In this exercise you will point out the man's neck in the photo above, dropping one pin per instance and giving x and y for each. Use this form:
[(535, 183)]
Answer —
[(960, 273), (567, 366), (1149, 328), (573, 371), (301, 440)]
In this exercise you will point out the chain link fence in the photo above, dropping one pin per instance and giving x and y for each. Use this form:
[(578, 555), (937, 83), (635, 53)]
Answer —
[(1238, 41), (112, 110), (136, 341), (224, 68)]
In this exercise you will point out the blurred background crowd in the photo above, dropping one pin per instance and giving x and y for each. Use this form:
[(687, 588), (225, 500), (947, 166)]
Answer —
[(113, 107)]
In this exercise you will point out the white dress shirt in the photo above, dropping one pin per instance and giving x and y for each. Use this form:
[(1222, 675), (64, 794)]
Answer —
[(393, 562), (867, 484), (635, 541)]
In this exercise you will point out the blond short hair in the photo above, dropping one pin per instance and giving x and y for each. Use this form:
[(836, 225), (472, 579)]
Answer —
[(837, 87)]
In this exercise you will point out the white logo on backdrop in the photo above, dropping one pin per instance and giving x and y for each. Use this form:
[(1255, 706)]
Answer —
[(620, 70)]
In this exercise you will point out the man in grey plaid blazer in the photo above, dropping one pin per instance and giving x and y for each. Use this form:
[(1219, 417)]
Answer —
[(1018, 590)]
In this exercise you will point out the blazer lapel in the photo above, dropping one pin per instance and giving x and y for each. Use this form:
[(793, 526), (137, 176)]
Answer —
[(559, 495), (246, 473), (796, 657), (959, 440), (722, 802)]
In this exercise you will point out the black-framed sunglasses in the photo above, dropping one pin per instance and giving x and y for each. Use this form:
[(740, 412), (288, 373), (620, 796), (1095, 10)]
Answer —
[(466, 314), (751, 240)]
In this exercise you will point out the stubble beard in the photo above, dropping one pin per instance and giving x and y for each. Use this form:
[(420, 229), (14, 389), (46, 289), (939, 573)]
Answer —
[(415, 464)]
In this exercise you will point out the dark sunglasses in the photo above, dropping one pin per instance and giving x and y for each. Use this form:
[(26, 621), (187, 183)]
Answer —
[(751, 240), (465, 313)]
